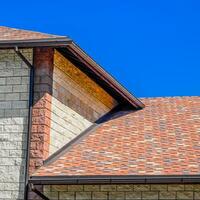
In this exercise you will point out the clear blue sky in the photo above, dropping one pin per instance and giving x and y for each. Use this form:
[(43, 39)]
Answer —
[(151, 47)]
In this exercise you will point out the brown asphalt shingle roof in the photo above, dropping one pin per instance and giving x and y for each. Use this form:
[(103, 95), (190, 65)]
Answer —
[(10, 34), (161, 139)]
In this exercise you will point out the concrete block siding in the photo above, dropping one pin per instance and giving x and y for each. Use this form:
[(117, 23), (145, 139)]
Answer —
[(14, 87), (124, 192), (65, 125)]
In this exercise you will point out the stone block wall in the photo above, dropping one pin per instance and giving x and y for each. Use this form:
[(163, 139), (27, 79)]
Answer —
[(124, 192), (77, 102), (14, 88)]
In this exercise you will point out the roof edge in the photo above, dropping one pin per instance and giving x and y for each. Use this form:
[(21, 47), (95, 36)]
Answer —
[(46, 42), (97, 69), (105, 179)]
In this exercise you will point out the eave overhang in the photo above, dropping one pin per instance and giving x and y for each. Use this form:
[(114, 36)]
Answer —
[(88, 65), (129, 179), (105, 77), (30, 43)]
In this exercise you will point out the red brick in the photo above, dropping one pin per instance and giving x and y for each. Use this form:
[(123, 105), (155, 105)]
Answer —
[(41, 114)]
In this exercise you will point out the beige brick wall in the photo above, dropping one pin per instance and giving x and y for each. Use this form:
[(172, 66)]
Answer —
[(76, 103), (65, 125), (124, 191), (14, 84)]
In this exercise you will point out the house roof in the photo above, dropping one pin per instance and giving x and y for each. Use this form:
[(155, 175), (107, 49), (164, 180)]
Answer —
[(12, 38), (7, 33), (160, 140)]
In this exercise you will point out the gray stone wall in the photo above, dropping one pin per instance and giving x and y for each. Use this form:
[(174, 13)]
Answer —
[(124, 191), (14, 84)]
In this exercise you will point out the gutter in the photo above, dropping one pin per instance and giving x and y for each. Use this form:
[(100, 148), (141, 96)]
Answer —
[(48, 42), (127, 179)]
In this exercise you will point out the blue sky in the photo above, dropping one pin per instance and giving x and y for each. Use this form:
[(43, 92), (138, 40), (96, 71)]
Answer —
[(151, 47)]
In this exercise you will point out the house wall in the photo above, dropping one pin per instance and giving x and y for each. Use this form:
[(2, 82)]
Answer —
[(66, 102), (77, 102), (14, 85), (121, 192)]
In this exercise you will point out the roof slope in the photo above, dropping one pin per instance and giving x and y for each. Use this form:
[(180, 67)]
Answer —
[(161, 139), (7, 33)]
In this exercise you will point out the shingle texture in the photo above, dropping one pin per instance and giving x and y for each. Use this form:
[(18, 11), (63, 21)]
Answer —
[(7, 33), (161, 139)]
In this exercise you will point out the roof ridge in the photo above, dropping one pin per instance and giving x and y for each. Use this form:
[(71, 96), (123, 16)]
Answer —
[(169, 97)]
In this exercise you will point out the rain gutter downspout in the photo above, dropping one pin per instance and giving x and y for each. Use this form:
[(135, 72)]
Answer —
[(34, 189), (30, 106)]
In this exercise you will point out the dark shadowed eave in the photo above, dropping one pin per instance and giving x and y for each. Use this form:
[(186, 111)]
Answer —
[(105, 76)]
